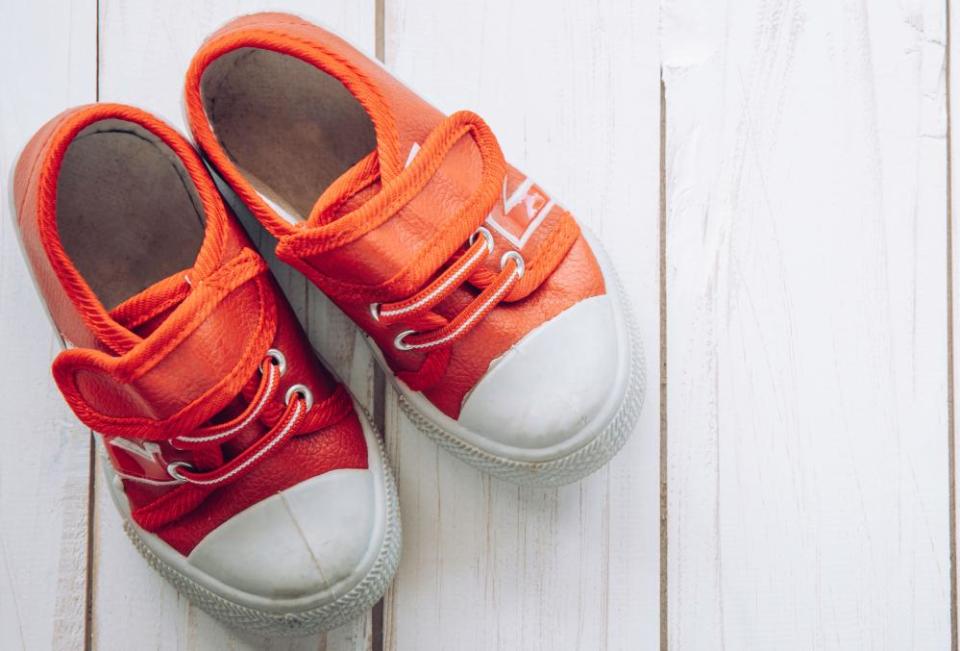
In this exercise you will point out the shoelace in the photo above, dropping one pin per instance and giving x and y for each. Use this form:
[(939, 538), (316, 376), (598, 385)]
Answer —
[(417, 306), (426, 331), (298, 403)]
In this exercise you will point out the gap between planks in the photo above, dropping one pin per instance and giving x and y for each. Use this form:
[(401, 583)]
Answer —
[(663, 366), (951, 407), (377, 632), (92, 459)]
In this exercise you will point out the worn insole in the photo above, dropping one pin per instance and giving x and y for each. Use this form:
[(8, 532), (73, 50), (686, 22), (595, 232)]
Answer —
[(127, 212)]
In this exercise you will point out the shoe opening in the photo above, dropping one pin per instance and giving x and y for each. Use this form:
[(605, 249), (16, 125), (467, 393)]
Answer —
[(289, 127)]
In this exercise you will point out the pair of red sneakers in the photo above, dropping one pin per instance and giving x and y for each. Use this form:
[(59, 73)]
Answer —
[(246, 473)]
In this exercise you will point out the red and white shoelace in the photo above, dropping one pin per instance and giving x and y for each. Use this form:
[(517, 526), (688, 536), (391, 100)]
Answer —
[(298, 402)]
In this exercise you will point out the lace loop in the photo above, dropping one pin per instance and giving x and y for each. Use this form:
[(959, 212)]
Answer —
[(440, 288), (302, 391), (477, 309), (221, 433), (244, 461)]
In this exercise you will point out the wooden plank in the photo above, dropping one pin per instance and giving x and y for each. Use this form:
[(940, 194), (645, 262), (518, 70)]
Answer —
[(572, 91), (806, 311), (145, 50), (44, 471), (953, 233)]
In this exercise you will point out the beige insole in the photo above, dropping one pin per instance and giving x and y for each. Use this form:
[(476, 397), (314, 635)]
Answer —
[(291, 128), (127, 211)]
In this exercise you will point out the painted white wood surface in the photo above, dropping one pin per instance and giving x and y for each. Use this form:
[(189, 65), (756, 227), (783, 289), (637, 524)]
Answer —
[(807, 312), (44, 466), (806, 252), (145, 49), (572, 91)]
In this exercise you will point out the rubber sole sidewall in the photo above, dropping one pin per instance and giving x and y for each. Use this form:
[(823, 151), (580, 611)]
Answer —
[(309, 620)]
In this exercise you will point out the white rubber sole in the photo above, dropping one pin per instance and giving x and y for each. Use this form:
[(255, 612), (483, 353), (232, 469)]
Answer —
[(308, 615)]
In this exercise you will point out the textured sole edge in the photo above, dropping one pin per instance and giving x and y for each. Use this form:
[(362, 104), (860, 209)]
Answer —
[(573, 466), (345, 608)]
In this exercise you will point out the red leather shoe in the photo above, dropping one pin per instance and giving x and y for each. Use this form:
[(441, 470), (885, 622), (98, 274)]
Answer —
[(245, 473), (500, 320)]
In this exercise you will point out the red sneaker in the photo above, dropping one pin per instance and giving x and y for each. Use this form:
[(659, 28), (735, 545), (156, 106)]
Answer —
[(245, 473), (501, 320)]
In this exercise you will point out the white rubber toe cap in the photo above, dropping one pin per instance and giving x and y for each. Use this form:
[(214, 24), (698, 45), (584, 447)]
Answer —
[(299, 542), (548, 387)]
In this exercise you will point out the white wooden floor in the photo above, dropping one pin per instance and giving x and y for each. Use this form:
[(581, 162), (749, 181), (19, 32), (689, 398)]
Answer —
[(773, 180)]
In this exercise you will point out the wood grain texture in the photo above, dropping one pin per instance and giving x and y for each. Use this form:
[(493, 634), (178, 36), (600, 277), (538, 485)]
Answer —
[(807, 312), (953, 196), (44, 469), (572, 91), (144, 52)]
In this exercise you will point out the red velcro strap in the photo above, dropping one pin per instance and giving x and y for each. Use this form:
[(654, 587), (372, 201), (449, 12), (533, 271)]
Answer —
[(185, 371)]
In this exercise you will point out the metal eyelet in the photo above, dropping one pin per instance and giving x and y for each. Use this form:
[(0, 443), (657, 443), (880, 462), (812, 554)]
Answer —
[(303, 391), (487, 235), (517, 259), (375, 311), (279, 359), (172, 470), (398, 342)]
